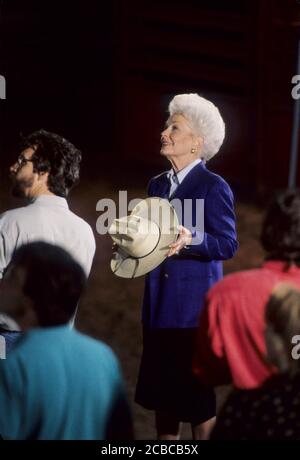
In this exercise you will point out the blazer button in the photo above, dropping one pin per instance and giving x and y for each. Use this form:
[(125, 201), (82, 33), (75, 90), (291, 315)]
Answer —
[(166, 275)]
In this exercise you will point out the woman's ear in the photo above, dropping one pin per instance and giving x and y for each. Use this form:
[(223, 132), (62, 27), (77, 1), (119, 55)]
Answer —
[(198, 144)]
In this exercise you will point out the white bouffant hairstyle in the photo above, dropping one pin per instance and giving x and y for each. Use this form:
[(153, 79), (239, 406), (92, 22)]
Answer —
[(204, 117)]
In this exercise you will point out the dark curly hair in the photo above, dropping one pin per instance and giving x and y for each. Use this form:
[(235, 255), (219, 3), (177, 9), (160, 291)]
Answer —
[(281, 229), (57, 156)]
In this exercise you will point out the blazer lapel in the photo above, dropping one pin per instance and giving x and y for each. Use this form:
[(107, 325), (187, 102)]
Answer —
[(195, 177)]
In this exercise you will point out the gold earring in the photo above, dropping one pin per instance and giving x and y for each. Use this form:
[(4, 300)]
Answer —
[(193, 150)]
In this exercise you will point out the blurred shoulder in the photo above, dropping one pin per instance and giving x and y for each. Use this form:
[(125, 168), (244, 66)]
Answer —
[(237, 282), (13, 215)]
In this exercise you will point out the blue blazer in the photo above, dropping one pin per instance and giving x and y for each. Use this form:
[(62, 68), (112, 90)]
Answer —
[(175, 291)]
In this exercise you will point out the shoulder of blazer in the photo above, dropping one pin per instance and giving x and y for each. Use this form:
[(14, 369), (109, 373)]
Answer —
[(199, 180), (159, 176), (200, 174), (156, 179)]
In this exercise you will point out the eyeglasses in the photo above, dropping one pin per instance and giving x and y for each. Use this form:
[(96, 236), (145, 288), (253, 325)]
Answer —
[(21, 161)]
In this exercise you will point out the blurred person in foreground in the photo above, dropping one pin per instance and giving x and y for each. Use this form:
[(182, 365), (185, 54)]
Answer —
[(174, 291), (57, 383), (47, 168), (272, 411), (231, 346)]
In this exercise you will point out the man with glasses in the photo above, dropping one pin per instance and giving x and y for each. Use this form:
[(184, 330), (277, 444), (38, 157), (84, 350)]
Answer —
[(44, 173)]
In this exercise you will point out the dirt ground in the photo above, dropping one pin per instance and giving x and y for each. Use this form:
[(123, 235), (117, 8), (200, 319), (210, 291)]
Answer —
[(110, 309)]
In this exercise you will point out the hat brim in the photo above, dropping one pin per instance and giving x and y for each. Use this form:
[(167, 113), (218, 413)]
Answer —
[(125, 266)]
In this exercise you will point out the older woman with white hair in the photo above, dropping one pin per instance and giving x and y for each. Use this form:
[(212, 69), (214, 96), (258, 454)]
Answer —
[(175, 291)]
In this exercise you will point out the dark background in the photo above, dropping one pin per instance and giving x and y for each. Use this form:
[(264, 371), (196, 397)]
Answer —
[(102, 73)]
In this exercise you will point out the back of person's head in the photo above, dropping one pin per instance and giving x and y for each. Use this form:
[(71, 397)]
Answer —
[(57, 156), (282, 324), (53, 281), (281, 229)]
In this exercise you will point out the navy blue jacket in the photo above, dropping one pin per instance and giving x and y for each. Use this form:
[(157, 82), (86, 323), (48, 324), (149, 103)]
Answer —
[(175, 291)]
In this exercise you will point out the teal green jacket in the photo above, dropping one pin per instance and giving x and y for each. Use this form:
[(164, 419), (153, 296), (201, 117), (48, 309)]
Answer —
[(60, 384)]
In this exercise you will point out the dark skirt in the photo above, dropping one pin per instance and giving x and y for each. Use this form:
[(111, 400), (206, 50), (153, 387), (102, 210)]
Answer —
[(166, 381)]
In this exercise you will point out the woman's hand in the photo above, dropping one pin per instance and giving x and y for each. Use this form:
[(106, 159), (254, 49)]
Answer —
[(185, 238)]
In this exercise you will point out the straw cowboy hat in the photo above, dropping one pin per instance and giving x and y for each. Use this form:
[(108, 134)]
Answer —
[(143, 237)]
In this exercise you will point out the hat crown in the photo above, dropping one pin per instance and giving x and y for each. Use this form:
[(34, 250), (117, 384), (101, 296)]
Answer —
[(135, 235), (143, 238)]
